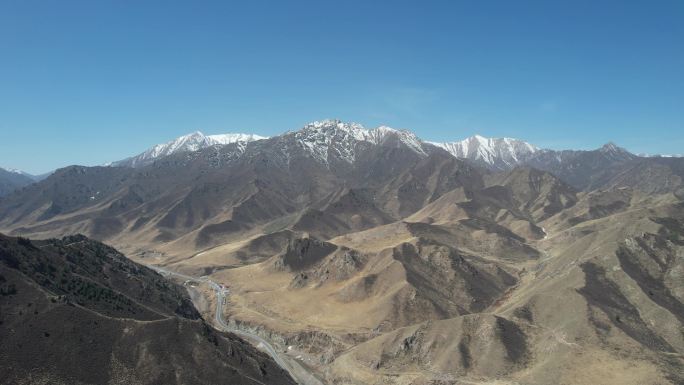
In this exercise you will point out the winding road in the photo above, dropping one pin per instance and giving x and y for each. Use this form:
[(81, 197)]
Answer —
[(297, 372)]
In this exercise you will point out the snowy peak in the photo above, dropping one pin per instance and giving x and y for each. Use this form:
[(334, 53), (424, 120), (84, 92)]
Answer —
[(14, 171), (234, 138), (335, 141), (609, 147), (408, 138), (11, 179), (190, 142), (611, 151), (333, 124), (20, 172), (497, 153), (333, 138), (661, 155), (334, 128)]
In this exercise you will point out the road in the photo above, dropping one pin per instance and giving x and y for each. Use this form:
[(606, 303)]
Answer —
[(297, 372)]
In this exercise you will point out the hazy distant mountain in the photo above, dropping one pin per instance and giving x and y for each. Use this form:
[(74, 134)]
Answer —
[(337, 139), (218, 192), (191, 142), (11, 180), (334, 141), (584, 169), (342, 173)]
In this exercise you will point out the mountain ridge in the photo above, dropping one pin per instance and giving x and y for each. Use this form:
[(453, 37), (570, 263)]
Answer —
[(190, 142), (77, 311), (11, 180), (323, 136), (543, 266)]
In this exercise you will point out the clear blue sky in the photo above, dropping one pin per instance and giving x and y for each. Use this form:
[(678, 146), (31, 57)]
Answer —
[(85, 82)]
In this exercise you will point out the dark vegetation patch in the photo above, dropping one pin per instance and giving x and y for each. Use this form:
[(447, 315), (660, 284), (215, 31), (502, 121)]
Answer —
[(466, 356), (513, 339), (62, 325), (672, 230), (491, 228), (603, 294), (482, 285), (525, 313), (209, 233), (91, 274), (454, 282), (302, 253), (8, 289), (652, 285), (599, 211)]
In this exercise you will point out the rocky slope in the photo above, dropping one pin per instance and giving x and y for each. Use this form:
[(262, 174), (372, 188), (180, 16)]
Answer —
[(494, 153), (11, 180), (190, 142), (373, 257), (207, 197), (76, 311)]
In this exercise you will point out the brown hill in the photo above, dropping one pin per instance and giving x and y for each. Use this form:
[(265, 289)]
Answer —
[(375, 258), (76, 311)]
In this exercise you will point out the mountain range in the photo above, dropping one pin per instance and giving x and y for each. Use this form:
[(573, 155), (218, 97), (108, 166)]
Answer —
[(11, 180), (491, 153), (371, 256), (191, 142), (496, 154)]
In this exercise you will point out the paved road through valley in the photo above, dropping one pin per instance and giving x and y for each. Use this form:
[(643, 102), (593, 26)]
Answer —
[(297, 372)]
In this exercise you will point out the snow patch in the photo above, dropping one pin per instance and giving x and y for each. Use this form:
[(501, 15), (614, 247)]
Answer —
[(333, 137), (500, 152), (190, 142)]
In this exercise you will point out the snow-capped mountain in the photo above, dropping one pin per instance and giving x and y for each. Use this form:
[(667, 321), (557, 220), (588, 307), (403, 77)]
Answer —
[(333, 141), (615, 153), (191, 142), (663, 155), (19, 172), (328, 139), (497, 153), (233, 138), (12, 179)]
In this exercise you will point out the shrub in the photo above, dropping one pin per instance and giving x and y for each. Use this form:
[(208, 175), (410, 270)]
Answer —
[(25, 242)]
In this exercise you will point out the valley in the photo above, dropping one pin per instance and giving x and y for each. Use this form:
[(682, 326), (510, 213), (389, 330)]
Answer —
[(342, 192), (370, 256)]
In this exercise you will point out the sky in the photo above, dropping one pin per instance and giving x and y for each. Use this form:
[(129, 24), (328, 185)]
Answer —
[(87, 82)]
